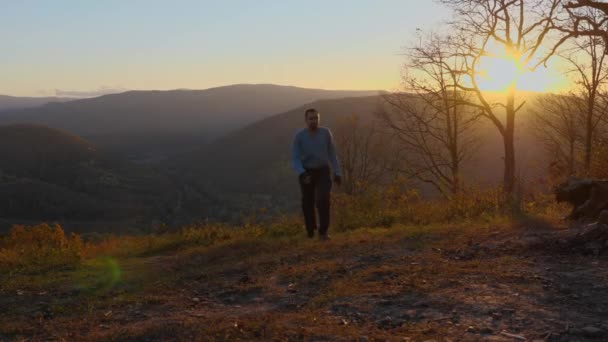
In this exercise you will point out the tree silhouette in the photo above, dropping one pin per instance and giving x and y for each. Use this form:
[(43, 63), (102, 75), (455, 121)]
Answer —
[(520, 28)]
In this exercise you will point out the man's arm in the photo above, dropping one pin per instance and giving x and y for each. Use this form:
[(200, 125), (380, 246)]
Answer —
[(296, 162), (333, 159)]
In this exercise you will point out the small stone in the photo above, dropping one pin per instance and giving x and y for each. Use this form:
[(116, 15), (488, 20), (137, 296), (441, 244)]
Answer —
[(197, 314), (385, 323), (486, 331), (410, 314), (593, 332), (496, 315), (196, 299), (513, 336), (363, 339), (422, 304), (471, 329)]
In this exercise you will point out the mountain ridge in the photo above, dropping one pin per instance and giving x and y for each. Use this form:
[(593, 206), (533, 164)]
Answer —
[(164, 122)]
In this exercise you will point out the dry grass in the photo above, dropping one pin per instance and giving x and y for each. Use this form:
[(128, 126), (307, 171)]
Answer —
[(34, 248), (37, 248)]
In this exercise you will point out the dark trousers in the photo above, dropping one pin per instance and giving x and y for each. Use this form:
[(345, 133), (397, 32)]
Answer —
[(316, 194)]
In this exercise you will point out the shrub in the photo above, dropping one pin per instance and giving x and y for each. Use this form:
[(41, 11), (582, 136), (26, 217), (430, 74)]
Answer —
[(38, 247), (384, 207)]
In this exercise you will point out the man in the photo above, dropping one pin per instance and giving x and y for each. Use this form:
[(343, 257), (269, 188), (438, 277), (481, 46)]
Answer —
[(313, 152)]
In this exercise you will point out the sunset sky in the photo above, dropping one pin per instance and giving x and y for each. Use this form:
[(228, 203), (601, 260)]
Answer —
[(68, 47)]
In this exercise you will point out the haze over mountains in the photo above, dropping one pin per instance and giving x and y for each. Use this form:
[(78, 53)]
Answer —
[(14, 102), (214, 154), (256, 158), (66, 161), (155, 124)]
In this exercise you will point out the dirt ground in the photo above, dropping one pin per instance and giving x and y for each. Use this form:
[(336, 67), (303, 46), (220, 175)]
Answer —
[(480, 282)]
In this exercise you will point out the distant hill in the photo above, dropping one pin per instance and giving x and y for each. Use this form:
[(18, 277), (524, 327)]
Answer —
[(41, 152), (154, 124), (14, 102), (48, 174)]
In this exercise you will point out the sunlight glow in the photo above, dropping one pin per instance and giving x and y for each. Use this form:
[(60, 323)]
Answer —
[(501, 69), (498, 71)]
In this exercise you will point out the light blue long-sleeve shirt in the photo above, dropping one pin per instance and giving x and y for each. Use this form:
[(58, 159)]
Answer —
[(314, 150)]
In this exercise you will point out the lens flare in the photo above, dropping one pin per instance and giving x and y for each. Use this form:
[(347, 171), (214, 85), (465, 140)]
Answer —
[(103, 275), (112, 272)]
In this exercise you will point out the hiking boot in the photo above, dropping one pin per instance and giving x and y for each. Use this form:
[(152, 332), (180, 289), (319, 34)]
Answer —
[(324, 237)]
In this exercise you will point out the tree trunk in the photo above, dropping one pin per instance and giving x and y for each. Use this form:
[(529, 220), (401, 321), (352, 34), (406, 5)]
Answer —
[(571, 159), (455, 148), (589, 132), (509, 142)]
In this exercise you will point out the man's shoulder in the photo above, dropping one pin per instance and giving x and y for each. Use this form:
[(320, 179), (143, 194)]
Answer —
[(298, 132), (325, 130)]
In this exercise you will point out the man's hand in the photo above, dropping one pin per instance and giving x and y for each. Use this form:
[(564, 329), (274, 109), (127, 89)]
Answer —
[(305, 178), (337, 179)]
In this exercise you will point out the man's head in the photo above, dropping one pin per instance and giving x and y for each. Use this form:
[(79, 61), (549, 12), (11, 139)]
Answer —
[(312, 118)]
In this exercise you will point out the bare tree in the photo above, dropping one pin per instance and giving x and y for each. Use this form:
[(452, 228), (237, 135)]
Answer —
[(557, 123), (365, 153), (587, 57), (600, 5), (586, 18), (520, 28), (435, 130)]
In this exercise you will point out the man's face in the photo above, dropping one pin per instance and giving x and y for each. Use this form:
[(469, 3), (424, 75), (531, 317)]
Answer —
[(312, 120)]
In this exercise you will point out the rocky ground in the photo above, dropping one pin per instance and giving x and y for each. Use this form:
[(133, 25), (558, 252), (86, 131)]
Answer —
[(497, 281)]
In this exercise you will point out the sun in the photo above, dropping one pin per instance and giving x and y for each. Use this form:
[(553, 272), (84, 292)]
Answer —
[(502, 69), (498, 72)]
